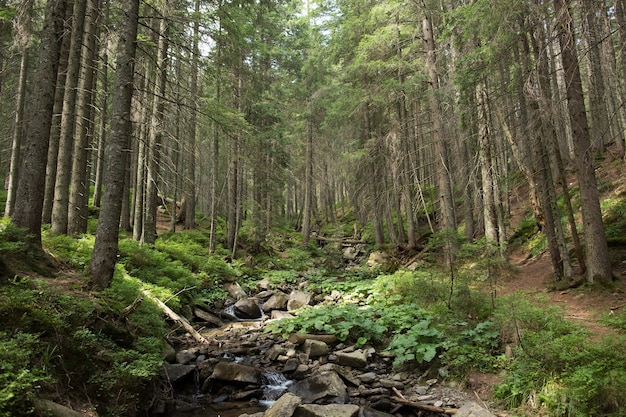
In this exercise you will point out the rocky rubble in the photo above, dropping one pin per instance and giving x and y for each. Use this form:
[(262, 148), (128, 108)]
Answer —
[(234, 374)]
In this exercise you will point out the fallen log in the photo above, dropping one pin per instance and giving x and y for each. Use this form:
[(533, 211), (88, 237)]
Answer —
[(426, 407), (178, 319), (48, 407), (345, 241), (299, 338)]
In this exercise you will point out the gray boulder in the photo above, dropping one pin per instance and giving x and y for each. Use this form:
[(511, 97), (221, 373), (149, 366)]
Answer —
[(472, 409), (278, 301), (315, 348), (284, 406), (236, 372), (298, 299), (356, 359), (247, 308), (334, 410), (327, 385)]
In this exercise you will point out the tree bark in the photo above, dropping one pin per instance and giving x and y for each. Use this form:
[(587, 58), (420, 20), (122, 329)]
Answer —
[(156, 128), (597, 255), (68, 123), (18, 134), (29, 196), (104, 254), (78, 213)]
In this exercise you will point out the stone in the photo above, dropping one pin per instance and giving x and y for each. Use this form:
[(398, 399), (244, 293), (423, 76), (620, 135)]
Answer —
[(169, 353), (472, 409), (354, 359), (247, 308), (390, 383), (315, 348), (370, 412), (368, 378), (208, 317), (235, 290), (350, 253), (326, 385), (285, 406), (298, 299), (236, 372), (177, 371), (185, 356), (274, 352), (278, 301), (263, 284), (279, 314), (334, 410), (377, 258)]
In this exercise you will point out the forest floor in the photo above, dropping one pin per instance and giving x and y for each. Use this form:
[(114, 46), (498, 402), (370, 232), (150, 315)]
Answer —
[(585, 304)]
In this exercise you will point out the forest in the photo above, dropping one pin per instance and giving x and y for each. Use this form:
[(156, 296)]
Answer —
[(444, 179)]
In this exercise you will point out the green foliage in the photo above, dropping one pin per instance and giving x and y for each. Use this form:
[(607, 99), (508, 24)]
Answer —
[(474, 348), (345, 321), (556, 366), (11, 238), (154, 266), (19, 379), (75, 250), (614, 219), (419, 343), (217, 268)]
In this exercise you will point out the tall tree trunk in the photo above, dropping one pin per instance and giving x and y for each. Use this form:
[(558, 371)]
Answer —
[(190, 190), (103, 114), (79, 194), (445, 196), (156, 128), (29, 196), (597, 255), (18, 134), (102, 264), (68, 122), (597, 106), (308, 181), (55, 131)]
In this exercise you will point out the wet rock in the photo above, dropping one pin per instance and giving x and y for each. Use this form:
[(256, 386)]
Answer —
[(356, 359), (291, 365), (472, 409), (285, 406), (229, 371), (298, 299), (327, 385), (315, 348), (263, 284), (334, 410), (247, 308), (177, 371), (278, 301)]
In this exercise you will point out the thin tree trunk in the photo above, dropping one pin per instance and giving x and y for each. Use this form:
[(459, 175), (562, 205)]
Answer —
[(68, 123), (102, 128), (104, 254), (18, 129), (149, 233), (443, 184), (190, 190), (79, 195)]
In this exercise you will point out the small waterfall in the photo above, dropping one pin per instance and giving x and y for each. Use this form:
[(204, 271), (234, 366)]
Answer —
[(274, 385)]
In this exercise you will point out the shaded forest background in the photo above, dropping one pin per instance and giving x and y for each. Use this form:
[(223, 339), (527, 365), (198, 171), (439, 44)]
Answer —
[(412, 117)]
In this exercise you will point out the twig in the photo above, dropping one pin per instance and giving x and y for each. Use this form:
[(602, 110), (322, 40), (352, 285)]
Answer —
[(399, 398)]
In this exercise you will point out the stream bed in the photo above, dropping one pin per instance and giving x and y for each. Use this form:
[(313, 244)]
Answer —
[(244, 371)]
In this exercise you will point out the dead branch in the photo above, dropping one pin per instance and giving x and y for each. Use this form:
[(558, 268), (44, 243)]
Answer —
[(181, 320)]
